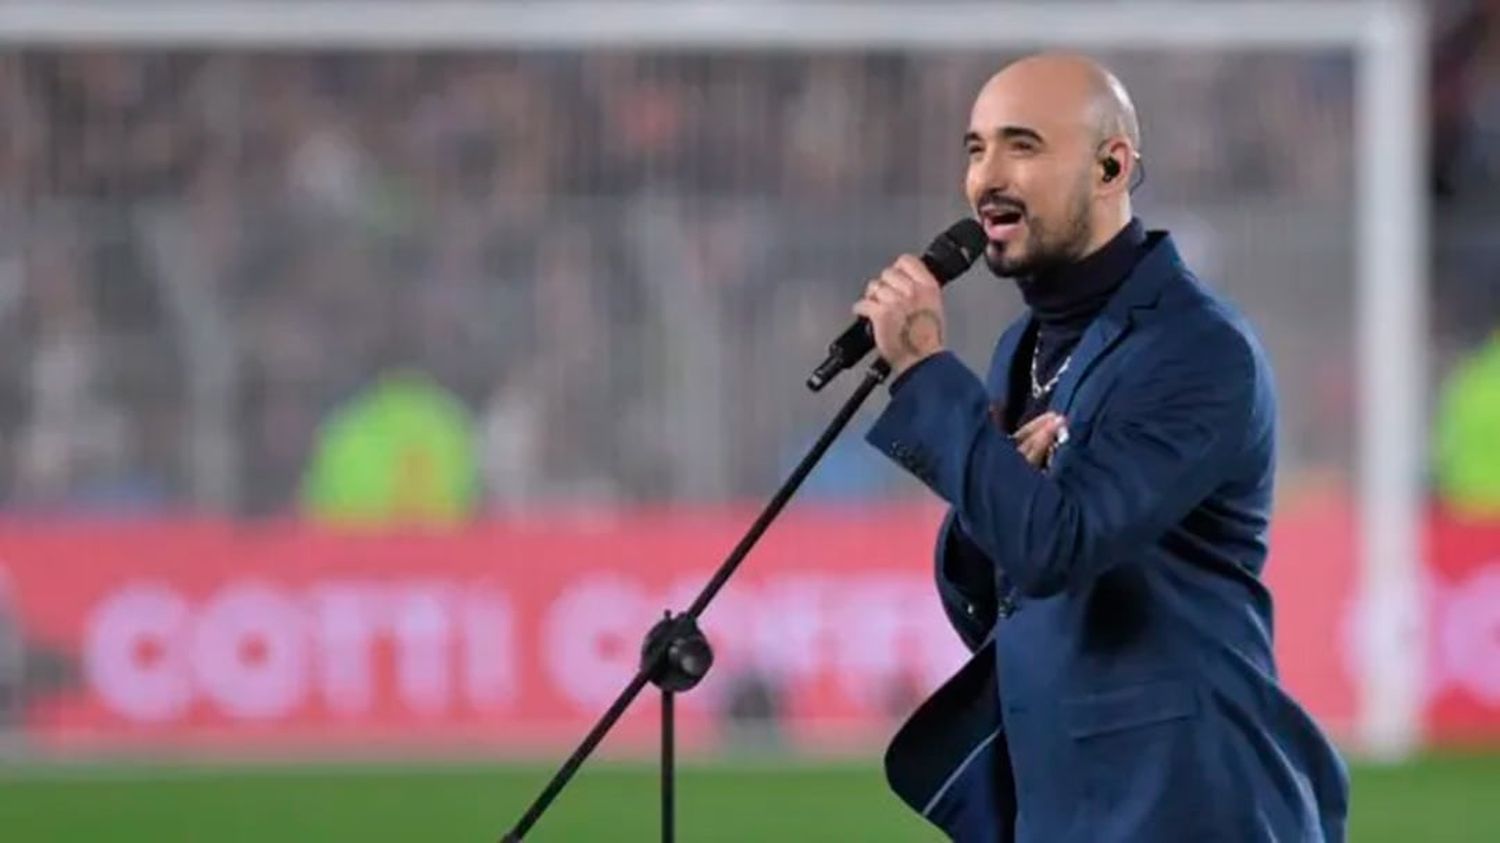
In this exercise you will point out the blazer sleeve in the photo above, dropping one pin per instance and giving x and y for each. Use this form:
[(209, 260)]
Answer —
[(1175, 423)]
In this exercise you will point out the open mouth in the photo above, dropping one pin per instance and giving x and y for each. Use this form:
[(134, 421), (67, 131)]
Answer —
[(1000, 224)]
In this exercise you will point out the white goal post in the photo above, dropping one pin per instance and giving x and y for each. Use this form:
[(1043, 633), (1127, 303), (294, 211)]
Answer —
[(1387, 39)]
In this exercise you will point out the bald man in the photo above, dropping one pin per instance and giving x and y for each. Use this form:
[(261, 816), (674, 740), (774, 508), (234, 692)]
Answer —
[(1110, 491)]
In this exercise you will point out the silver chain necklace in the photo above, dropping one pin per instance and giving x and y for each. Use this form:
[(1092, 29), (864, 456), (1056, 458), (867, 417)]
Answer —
[(1040, 389)]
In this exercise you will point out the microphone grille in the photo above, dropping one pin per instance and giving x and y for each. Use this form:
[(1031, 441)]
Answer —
[(956, 249)]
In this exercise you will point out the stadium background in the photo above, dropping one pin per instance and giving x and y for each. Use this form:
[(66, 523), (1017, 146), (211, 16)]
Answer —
[(359, 408)]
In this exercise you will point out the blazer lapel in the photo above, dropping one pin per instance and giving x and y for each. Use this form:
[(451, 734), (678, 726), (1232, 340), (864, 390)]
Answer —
[(1005, 355), (1141, 289), (1101, 335)]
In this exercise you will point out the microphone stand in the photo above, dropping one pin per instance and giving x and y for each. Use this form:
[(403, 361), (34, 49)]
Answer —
[(675, 656)]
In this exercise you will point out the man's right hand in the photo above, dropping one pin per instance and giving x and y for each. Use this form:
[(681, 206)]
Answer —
[(1039, 437)]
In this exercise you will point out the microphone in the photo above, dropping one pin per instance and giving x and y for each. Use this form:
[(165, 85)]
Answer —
[(948, 256)]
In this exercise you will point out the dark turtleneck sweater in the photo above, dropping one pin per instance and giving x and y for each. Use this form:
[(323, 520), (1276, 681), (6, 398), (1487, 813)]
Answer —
[(1063, 304)]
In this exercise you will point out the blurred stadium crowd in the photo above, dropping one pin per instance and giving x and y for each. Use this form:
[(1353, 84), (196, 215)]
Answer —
[(598, 278)]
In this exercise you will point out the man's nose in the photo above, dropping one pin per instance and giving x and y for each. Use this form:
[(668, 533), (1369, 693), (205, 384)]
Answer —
[(989, 174)]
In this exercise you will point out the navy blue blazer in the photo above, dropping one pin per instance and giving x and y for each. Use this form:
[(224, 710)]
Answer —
[(1123, 686)]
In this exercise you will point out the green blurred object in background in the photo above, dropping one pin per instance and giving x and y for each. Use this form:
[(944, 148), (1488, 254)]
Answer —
[(1468, 434), (400, 452)]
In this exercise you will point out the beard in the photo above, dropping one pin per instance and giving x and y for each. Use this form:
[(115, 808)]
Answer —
[(1047, 247)]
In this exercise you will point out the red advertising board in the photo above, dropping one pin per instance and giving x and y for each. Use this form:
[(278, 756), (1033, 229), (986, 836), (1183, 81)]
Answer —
[(1463, 693), (513, 637)]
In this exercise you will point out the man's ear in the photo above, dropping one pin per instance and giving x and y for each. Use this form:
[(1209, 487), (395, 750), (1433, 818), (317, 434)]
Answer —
[(1116, 158)]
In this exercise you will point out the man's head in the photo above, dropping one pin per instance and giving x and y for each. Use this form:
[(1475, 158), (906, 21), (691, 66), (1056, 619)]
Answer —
[(1052, 146)]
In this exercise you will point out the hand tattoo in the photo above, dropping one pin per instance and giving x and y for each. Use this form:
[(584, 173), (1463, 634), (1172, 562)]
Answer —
[(926, 314)]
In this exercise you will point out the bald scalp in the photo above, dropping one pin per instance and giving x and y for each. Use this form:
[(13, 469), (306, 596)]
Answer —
[(1076, 82), (1113, 112)]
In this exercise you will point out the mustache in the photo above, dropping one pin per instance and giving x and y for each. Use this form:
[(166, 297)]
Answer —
[(994, 201)]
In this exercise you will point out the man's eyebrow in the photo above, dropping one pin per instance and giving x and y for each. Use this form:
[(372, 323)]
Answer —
[(972, 136), (1020, 133)]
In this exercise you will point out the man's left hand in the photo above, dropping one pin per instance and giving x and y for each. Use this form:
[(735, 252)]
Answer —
[(905, 306), (1038, 439)]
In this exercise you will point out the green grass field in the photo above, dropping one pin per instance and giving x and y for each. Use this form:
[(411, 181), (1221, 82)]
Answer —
[(1447, 798)]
